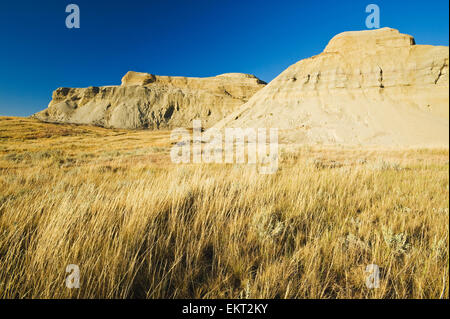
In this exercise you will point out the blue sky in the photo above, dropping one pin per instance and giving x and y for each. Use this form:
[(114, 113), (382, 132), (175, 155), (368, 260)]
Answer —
[(190, 38)]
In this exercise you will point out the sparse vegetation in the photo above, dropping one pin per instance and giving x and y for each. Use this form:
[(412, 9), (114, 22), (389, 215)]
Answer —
[(139, 226)]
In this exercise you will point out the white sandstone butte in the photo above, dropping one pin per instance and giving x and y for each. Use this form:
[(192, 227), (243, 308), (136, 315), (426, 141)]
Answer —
[(373, 87), (147, 101)]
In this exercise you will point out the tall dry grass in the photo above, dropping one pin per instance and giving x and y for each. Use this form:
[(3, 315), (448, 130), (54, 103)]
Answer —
[(111, 202)]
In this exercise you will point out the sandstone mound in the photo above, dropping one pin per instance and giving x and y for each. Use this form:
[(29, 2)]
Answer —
[(367, 88), (150, 101)]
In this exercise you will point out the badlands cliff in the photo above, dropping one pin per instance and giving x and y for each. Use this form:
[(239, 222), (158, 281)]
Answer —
[(367, 88), (150, 101)]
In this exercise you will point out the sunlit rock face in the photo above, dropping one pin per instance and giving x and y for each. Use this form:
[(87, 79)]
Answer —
[(367, 87), (154, 102)]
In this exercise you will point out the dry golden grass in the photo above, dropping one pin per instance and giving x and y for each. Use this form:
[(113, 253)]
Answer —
[(139, 226)]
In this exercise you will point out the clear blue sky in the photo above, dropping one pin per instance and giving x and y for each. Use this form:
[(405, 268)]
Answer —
[(191, 38)]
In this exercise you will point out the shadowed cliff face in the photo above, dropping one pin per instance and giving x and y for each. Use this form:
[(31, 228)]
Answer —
[(150, 101), (368, 87)]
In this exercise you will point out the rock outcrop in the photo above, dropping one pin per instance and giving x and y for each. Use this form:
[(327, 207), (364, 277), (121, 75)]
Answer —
[(154, 102), (367, 88)]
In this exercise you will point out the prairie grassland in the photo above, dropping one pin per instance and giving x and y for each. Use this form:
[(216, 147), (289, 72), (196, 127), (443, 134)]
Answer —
[(139, 226)]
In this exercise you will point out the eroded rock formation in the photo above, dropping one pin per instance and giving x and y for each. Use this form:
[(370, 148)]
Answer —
[(367, 87), (150, 101)]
